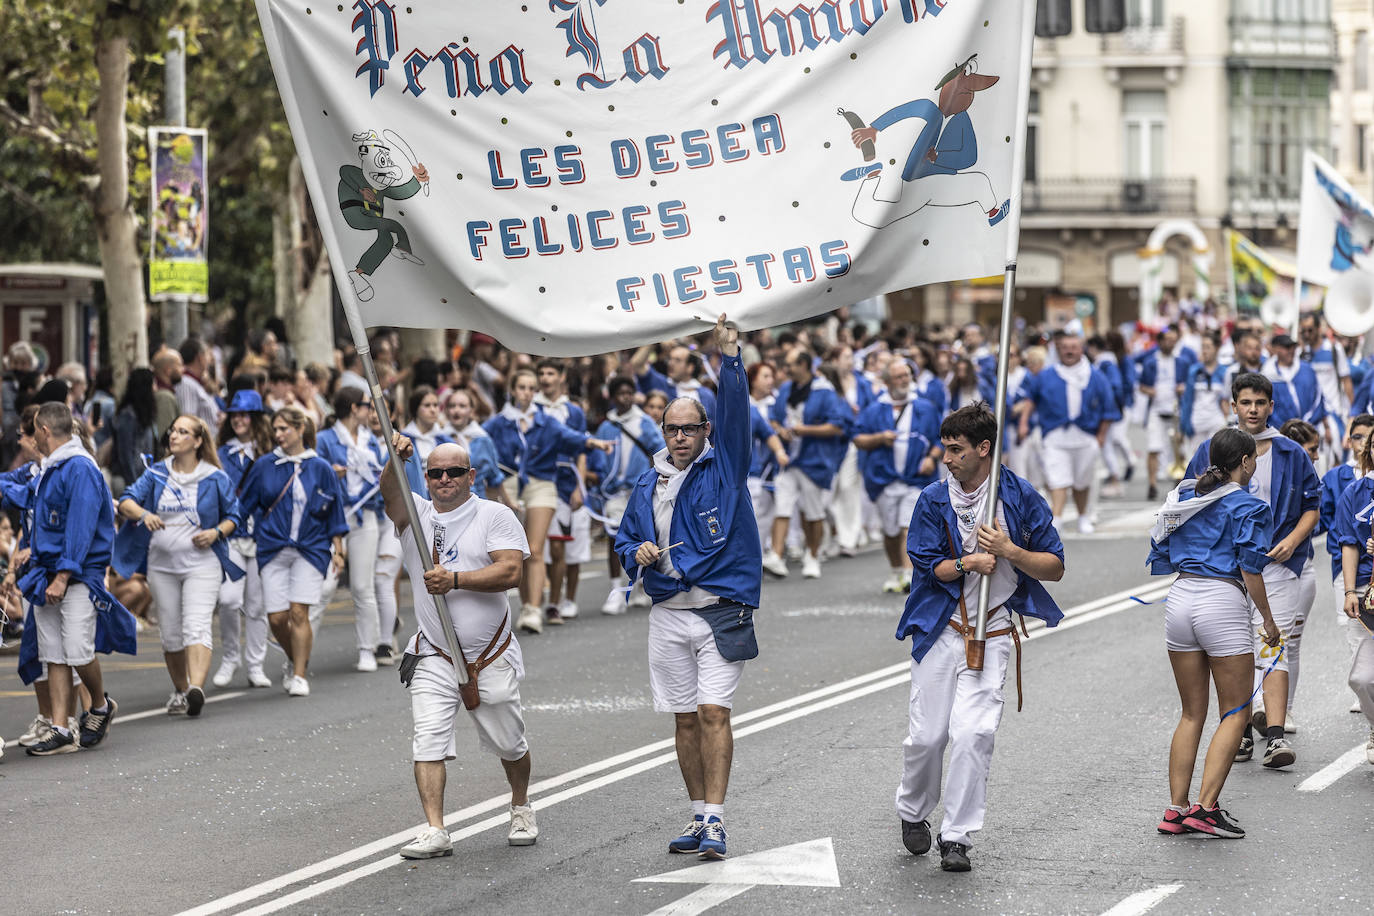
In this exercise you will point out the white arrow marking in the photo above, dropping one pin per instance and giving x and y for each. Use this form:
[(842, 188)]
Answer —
[(809, 864)]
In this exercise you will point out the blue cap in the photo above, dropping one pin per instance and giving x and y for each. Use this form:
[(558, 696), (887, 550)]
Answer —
[(245, 400)]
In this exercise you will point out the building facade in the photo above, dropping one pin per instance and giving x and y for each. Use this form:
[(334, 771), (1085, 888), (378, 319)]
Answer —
[(1352, 100), (1199, 111)]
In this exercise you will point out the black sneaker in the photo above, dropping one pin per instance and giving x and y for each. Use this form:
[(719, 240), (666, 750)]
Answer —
[(384, 655), (954, 857), (552, 617), (1153, 494), (1246, 749), (54, 743), (1279, 754), (195, 700), (1215, 822), (916, 837), (94, 725)]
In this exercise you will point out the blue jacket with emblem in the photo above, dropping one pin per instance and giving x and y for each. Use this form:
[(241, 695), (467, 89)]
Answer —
[(215, 502), (879, 468), (932, 603), (818, 457), (713, 516), (266, 498)]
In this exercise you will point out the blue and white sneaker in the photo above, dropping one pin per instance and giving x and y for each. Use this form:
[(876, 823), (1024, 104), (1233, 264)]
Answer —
[(862, 171), (691, 837), (996, 216), (712, 845)]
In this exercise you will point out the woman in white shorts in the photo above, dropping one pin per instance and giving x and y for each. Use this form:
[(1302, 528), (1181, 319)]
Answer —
[(297, 506), (245, 434), (181, 512), (1211, 532)]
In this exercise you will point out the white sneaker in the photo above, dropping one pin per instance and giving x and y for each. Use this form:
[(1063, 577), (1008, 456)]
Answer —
[(176, 704), (225, 674), (523, 829), (531, 619), (615, 603), (37, 732), (811, 567), (775, 564), (431, 843), (1085, 525), (906, 581), (367, 660), (1369, 749), (299, 687), (1354, 707), (288, 674), (257, 679), (639, 597), (1289, 726), (893, 585), (567, 609)]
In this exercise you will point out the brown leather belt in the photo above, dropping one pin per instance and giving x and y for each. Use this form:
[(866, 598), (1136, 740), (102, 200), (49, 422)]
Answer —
[(967, 630), (483, 660)]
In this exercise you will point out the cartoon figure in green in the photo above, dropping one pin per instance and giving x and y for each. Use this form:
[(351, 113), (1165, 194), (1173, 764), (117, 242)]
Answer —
[(363, 190)]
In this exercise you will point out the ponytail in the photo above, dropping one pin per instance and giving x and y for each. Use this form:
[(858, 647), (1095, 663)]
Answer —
[(1226, 451)]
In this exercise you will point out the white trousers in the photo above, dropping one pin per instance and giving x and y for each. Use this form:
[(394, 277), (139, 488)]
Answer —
[(186, 605), (362, 584), (762, 498), (953, 705), (1290, 602), (242, 618), (1361, 677), (1116, 452), (846, 506), (388, 567)]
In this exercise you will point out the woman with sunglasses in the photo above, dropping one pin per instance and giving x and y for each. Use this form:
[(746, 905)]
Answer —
[(528, 443), (297, 506), (181, 512), (347, 445), (245, 435)]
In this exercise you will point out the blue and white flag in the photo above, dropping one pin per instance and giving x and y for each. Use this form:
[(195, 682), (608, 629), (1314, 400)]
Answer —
[(1335, 225), (574, 176)]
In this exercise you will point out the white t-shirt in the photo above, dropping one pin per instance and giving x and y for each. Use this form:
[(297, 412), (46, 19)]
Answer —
[(1329, 375), (469, 534), (1166, 386), (170, 549)]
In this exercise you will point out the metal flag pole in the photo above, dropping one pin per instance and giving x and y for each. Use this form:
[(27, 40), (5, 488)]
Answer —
[(978, 643)]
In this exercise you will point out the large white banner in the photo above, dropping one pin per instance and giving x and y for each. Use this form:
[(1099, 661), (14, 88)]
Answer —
[(575, 176), (1335, 226)]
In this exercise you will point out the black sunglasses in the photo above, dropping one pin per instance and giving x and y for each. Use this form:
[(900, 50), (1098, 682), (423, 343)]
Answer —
[(452, 473)]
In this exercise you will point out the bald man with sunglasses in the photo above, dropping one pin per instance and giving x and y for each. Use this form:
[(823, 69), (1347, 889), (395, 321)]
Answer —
[(478, 549)]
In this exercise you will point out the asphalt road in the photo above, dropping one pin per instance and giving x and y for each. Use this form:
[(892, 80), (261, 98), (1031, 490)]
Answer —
[(268, 803)]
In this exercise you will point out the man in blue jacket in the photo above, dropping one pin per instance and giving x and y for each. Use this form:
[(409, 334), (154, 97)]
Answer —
[(812, 420), (689, 531), (951, 550), (73, 535)]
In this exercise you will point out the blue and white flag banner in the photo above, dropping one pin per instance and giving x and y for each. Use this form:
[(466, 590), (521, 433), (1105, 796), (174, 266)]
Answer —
[(575, 176), (1335, 225)]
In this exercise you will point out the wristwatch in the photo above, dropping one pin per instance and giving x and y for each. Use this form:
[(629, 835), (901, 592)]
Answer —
[(959, 564)]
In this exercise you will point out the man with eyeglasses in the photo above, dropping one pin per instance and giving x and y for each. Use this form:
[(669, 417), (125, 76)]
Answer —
[(689, 532), (479, 550)]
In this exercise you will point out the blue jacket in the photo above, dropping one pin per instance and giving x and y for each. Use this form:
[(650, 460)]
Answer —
[(1147, 366), (879, 468), (73, 520), (566, 478), (1049, 393), (1362, 401), (322, 520), (762, 464), (1294, 490), (713, 517), (415, 468), (818, 457), (1223, 539), (1352, 523), (932, 603), (332, 449), (1309, 406), (865, 392), (653, 380), (215, 502), (1333, 485), (482, 454), (607, 466), (535, 456), (1213, 385)]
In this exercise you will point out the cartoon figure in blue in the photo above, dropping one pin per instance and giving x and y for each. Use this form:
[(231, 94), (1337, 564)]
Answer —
[(937, 171), (1354, 232), (363, 190)]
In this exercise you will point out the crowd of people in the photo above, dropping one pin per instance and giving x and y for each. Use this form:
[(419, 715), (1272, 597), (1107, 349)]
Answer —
[(234, 485)]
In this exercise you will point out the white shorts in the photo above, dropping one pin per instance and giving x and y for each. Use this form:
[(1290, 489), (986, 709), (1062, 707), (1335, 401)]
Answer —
[(186, 605), (1207, 615), (66, 630), (577, 524), (613, 510), (1069, 456), (1290, 602), (895, 505), (685, 668), (290, 579), (434, 705), (1157, 433), (538, 494), (793, 490)]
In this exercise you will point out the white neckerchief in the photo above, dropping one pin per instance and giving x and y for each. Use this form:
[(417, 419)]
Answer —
[(522, 419), (546, 402), (239, 447), (472, 431), (283, 458), (1076, 378), (763, 403), (691, 388), (201, 471), (886, 397), (362, 471), (1268, 432), (968, 509), (668, 472), (1176, 511), (72, 448)]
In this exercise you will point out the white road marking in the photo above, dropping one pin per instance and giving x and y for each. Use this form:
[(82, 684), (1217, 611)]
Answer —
[(808, 864), (1144, 901), (1334, 770), (623, 766), (121, 718), (699, 901)]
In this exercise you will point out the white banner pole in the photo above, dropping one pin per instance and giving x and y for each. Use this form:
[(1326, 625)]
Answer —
[(1018, 171)]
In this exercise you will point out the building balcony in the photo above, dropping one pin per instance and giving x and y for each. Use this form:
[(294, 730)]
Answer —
[(1146, 46), (1298, 43), (1117, 196)]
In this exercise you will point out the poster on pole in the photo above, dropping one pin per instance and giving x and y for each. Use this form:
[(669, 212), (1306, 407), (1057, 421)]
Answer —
[(177, 265), (575, 176), (1257, 275)]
